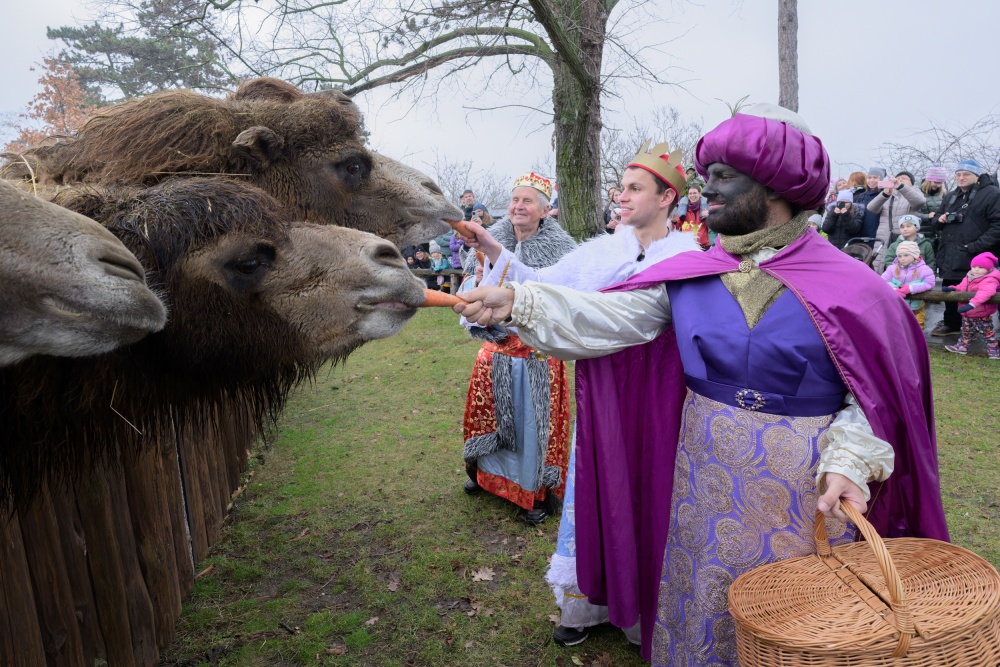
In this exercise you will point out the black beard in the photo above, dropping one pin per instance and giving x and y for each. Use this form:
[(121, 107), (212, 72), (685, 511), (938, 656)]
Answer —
[(742, 214)]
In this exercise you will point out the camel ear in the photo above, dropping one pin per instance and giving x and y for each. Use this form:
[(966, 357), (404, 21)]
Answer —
[(260, 145)]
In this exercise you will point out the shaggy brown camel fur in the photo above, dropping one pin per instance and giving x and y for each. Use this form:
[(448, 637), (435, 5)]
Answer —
[(305, 149), (69, 287), (257, 303)]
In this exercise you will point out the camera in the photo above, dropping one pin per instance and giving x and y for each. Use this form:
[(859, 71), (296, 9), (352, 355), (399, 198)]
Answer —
[(954, 217)]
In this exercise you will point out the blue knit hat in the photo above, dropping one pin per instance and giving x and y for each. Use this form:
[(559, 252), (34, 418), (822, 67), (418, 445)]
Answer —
[(970, 166)]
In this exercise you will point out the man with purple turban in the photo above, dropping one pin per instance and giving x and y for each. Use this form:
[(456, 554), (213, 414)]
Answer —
[(800, 392)]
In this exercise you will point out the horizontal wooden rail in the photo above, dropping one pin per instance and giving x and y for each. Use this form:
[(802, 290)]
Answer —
[(937, 296)]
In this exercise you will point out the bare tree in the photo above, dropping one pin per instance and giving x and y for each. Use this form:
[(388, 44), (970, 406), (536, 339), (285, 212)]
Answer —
[(414, 45), (788, 54), (944, 145), (619, 146), (492, 190)]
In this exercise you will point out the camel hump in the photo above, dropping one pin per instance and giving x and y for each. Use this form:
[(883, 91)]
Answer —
[(268, 88)]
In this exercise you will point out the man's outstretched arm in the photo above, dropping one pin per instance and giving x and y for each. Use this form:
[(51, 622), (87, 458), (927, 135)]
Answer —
[(569, 324)]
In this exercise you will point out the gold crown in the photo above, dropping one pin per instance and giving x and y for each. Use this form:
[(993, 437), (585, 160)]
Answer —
[(533, 180), (668, 170)]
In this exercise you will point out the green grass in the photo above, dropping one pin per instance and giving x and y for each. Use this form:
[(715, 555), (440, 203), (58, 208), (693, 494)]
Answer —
[(355, 545)]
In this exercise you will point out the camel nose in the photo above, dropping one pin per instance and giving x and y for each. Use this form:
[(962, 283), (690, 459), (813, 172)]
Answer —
[(121, 264), (431, 187), (386, 254)]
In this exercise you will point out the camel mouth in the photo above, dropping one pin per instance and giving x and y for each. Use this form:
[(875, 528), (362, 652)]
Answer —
[(388, 305)]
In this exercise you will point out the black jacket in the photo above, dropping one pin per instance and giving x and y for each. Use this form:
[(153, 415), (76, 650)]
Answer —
[(841, 227), (979, 231), (869, 220)]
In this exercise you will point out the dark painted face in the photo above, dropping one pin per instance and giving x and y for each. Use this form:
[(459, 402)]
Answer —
[(737, 204)]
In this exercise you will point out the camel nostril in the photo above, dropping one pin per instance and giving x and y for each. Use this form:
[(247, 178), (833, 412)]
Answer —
[(388, 254), (432, 187), (123, 266)]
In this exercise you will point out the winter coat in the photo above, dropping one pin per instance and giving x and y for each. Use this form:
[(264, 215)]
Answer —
[(984, 287), (692, 222), (440, 264), (979, 231), (455, 245), (902, 201), (917, 275), (926, 249), (869, 220), (842, 227)]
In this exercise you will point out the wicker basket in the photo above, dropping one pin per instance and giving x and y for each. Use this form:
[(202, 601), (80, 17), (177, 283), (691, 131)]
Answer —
[(904, 602)]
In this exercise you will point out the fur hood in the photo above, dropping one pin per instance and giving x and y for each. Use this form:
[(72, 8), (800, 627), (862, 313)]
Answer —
[(545, 248)]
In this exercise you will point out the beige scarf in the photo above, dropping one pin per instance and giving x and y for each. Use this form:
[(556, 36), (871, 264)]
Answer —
[(753, 289)]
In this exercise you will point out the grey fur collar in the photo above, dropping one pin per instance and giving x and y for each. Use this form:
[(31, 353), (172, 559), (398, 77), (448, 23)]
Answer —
[(543, 249)]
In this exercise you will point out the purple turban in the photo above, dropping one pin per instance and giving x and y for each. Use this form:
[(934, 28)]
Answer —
[(790, 162)]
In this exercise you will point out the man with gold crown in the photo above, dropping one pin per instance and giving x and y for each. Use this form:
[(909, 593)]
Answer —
[(516, 422), (792, 395), (651, 186)]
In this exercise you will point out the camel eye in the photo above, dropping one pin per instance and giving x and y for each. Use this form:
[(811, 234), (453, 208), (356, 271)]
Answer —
[(354, 168), (249, 266)]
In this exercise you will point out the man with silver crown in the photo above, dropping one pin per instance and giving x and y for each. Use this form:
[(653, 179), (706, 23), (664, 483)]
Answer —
[(651, 186), (797, 394)]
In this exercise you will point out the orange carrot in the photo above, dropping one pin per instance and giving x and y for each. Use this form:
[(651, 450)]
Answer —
[(460, 227), (434, 298), (480, 257)]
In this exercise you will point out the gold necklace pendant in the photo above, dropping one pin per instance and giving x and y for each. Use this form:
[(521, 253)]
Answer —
[(746, 266)]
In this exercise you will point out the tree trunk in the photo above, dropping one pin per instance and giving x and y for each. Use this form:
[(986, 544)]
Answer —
[(576, 107), (788, 54)]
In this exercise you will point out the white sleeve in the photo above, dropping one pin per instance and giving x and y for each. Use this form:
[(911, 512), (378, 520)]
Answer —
[(853, 450), (516, 271), (569, 324)]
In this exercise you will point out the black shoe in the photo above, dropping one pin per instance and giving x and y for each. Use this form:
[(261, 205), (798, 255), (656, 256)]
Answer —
[(537, 515), (471, 487), (569, 636), (943, 330)]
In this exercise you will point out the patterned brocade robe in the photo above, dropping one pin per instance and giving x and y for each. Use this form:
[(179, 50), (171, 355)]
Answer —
[(517, 418)]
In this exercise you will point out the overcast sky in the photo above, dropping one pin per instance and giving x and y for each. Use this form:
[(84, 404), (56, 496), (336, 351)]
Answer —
[(869, 72)]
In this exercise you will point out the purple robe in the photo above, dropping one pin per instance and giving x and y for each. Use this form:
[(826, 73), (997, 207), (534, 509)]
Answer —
[(632, 401)]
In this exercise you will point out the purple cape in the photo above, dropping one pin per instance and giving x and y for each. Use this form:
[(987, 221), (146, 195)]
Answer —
[(629, 413)]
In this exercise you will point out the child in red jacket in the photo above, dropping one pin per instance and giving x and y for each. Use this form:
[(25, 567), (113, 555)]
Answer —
[(977, 315)]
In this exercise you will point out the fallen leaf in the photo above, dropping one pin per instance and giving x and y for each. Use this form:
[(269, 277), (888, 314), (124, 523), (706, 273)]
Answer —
[(371, 621), (470, 614), (449, 640), (393, 586), (468, 644), (483, 574), (487, 612), (394, 580), (554, 618), (576, 660), (305, 531), (336, 649)]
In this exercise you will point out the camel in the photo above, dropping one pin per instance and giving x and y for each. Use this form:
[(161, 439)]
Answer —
[(70, 288), (304, 149), (258, 301)]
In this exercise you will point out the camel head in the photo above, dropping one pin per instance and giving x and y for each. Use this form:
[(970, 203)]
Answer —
[(254, 295), (70, 288), (304, 149)]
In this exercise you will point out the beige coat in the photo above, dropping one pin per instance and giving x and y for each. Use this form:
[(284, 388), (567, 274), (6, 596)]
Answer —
[(907, 199)]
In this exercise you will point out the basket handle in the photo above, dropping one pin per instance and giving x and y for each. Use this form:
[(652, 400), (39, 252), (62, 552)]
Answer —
[(897, 595)]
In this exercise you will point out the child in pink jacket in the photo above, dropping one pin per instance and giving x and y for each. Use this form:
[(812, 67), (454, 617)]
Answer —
[(977, 315), (909, 274)]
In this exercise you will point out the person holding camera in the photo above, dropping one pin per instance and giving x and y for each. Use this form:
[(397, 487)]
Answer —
[(969, 224), (897, 198), (612, 210), (843, 220)]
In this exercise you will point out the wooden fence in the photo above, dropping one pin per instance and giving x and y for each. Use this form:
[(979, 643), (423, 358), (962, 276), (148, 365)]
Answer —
[(100, 570)]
